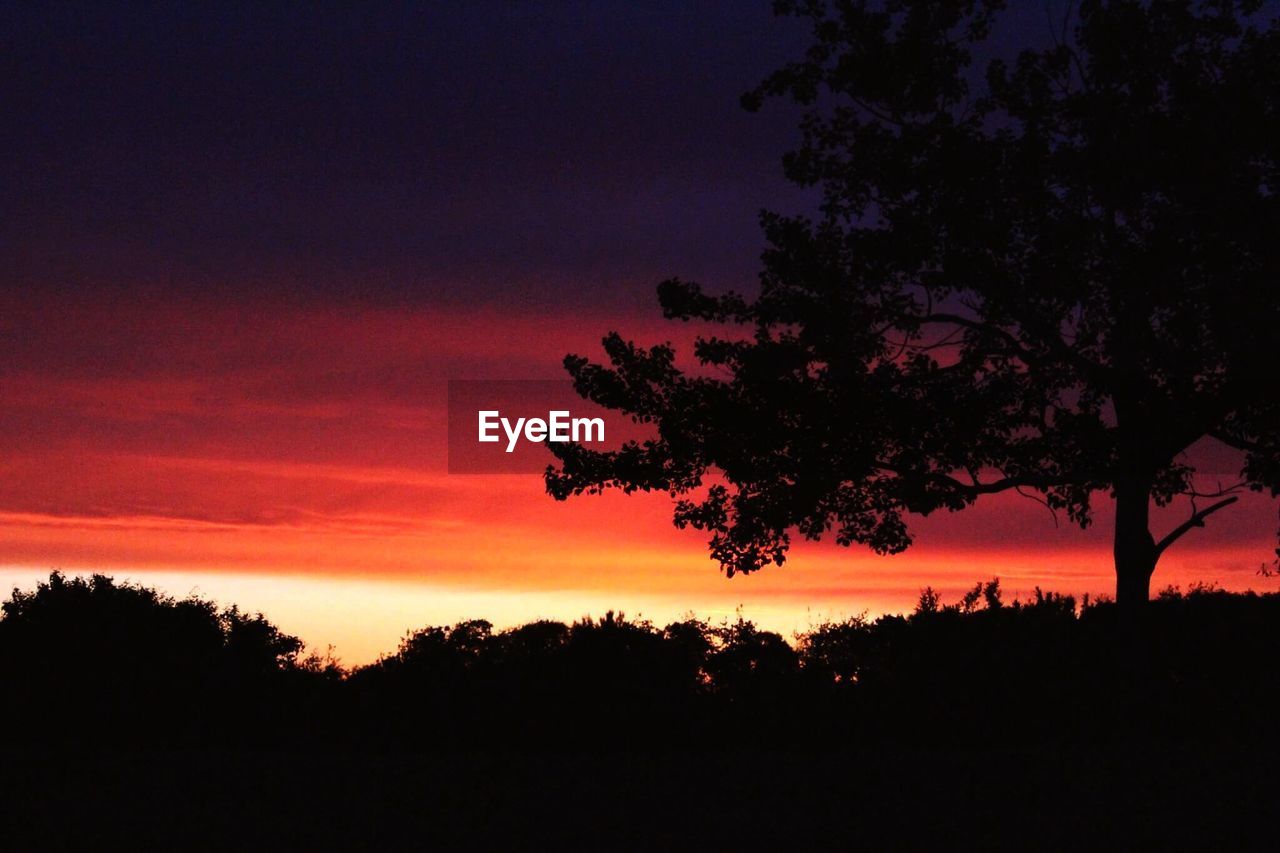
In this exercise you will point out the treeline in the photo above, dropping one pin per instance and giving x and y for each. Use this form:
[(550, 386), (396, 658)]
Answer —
[(87, 659)]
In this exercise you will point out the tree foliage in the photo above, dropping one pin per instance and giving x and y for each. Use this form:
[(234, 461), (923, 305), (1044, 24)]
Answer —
[(1053, 271), (91, 650)]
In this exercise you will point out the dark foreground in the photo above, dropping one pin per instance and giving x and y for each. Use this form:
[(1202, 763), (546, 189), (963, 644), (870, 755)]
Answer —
[(905, 797), (173, 725)]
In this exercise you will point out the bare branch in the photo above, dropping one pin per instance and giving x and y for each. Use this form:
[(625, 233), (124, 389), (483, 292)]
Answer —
[(1236, 443), (1221, 491), (1196, 520), (1010, 340), (1053, 513), (1004, 484)]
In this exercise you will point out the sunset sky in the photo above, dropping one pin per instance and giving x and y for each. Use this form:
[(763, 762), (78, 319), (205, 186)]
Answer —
[(244, 249)]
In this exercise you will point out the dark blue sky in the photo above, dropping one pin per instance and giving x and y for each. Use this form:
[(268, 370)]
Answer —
[(559, 152), (564, 153)]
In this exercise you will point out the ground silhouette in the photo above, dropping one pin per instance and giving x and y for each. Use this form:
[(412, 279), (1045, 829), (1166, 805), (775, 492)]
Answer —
[(167, 714)]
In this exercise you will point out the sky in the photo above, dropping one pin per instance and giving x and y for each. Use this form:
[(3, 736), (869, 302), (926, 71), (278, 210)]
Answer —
[(246, 246)]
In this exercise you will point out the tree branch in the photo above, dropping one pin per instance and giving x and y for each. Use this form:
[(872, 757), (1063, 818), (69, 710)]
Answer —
[(978, 326), (977, 488), (1235, 443), (1196, 520), (1059, 348)]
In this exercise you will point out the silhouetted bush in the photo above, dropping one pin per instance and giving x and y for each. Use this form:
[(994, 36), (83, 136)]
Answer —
[(615, 725), (122, 660), (102, 661)]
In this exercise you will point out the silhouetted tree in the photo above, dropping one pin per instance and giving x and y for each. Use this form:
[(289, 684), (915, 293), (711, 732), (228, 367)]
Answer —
[(752, 665), (125, 654), (88, 661), (1053, 274)]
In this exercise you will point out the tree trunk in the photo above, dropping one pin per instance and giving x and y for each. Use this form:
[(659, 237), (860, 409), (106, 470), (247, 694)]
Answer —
[(1135, 548)]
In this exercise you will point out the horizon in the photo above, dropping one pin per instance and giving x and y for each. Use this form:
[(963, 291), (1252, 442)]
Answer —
[(246, 253)]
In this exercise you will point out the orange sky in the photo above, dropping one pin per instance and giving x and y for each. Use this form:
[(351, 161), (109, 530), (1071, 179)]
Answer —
[(291, 458)]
